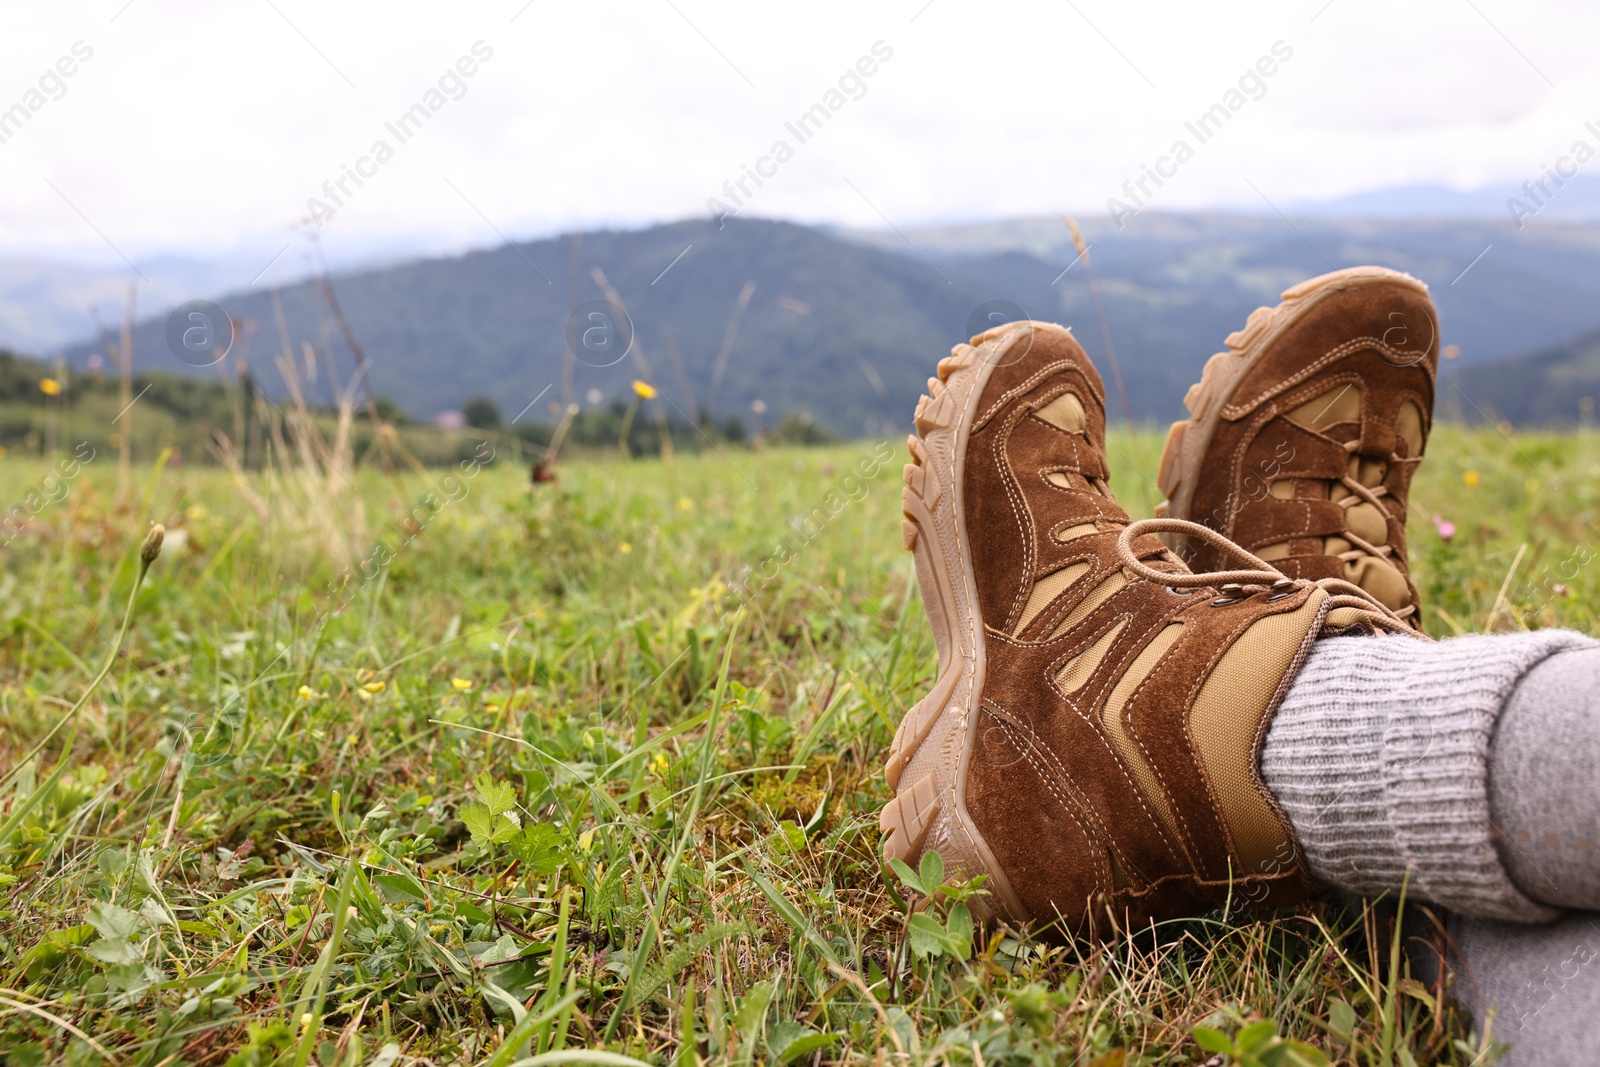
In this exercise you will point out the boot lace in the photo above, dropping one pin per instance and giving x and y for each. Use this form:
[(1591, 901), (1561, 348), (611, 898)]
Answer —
[(1258, 576), (1364, 494)]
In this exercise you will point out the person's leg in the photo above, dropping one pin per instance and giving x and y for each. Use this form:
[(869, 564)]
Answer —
[(1544, 781), (1398, 759), (1534, 987), (1464, 769), (1543, 982)]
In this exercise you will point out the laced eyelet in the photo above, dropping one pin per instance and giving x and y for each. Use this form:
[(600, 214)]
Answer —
[(1232, 593), (1260, 574), (1175, 591), (1283, 587)]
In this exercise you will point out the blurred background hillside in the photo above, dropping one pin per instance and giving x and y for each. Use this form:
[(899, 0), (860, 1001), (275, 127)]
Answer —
[(796, 214), (741, 326)]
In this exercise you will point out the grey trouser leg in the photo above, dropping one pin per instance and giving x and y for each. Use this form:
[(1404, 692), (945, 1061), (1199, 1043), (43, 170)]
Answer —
[(1472, 767)]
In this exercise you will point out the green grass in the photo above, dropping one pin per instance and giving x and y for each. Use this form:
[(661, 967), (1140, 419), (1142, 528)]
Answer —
[(555, 779)]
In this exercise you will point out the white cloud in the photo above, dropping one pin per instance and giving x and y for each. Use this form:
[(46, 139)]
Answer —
[(201, 128)]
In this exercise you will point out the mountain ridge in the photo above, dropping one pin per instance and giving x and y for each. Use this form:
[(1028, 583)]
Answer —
[(844, 325)]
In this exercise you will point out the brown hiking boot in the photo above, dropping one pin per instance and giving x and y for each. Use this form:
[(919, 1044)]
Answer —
[(1090, 744), (1305, 433)]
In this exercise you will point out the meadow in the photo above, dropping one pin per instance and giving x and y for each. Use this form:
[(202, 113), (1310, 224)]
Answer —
[(441, 767)]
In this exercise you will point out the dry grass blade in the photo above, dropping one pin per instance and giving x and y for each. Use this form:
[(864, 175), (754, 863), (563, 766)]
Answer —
[(1505, 585), (1100, 313)]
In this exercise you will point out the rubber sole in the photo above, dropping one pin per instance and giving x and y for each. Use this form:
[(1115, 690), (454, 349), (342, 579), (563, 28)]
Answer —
[(931, 751), (1187, 442)]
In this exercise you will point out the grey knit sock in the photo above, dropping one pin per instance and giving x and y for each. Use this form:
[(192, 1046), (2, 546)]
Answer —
[(1379, 755), (1544, 781)]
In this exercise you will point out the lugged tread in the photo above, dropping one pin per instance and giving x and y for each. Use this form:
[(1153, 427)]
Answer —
[(915, 726), (931, 487), (932, 737), (1169, 473), (922, 490), (934, 413), (906, 819), (960, 357)]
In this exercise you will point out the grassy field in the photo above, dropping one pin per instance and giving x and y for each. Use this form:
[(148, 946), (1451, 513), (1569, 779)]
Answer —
[(537, 773)]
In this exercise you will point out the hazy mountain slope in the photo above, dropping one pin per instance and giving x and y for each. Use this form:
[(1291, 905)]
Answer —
[(1532, 288), (1544, 387), (848, 329), (1174, 286), (45, 296), (843, 331)]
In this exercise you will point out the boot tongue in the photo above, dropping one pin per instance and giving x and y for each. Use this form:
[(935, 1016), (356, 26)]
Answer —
[(1369, 467)]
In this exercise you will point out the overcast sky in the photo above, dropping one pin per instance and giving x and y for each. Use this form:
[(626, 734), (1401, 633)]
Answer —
[(204, 128)]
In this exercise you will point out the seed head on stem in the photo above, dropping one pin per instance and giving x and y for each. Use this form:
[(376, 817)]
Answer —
[(151, 548)]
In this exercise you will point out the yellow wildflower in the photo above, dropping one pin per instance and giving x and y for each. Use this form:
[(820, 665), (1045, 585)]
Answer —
[(461, 683), (51, 387), (643, 389), (1470, 479)]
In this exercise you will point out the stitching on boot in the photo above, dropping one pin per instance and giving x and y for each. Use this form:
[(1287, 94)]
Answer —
[(1034, 379), (1059, 777), (1416, 359)]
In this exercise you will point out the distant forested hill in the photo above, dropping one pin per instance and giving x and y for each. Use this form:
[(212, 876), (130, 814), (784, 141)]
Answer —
[(1554, 386), (832, 327), (847, 326)]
